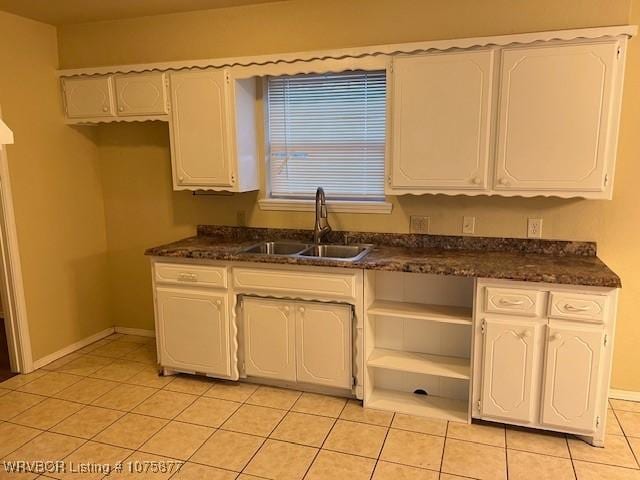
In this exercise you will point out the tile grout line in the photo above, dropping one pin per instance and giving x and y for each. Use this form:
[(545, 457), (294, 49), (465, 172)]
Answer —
[(384, 441)]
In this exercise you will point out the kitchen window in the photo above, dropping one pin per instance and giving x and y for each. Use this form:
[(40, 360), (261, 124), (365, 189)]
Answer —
[(326, 130)]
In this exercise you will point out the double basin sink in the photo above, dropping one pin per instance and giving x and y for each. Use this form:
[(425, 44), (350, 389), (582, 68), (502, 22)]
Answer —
[(348, 253)]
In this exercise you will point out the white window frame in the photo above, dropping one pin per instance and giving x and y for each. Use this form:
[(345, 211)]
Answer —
[(269, 203)]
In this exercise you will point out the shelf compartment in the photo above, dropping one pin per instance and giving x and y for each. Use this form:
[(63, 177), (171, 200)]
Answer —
[(424, 363), (421, 405), (420, 311)]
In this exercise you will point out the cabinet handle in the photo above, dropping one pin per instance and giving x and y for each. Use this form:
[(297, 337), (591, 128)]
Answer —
[(510, 303), (301, 309), (187, 277), (556, 336), (573, 308)]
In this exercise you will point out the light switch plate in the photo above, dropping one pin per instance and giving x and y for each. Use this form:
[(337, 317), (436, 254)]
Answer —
[(534, 228), (418, 224), (469, 225)]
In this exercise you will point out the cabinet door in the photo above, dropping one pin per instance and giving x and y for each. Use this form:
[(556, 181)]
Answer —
[(323, 344), (193, 329), (199, 129), (141, 94), (555, 117), (87, 97), (441, 112), (269, 331), (571, 379), (508, 361)]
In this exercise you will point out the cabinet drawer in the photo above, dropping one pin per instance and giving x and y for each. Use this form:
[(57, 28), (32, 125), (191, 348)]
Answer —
[(577, 306), (206, 276), (305, 282), (513, 301)]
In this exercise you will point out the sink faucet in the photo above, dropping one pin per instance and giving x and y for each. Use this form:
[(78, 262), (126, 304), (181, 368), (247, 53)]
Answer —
[(321, 227)]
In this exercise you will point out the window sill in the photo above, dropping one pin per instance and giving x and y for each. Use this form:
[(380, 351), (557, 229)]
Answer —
[(286, 204)]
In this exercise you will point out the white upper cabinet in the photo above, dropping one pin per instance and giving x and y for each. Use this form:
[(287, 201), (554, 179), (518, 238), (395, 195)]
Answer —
[(141, 94), (88, 97), (206, 152), (440, 112), (199, 136), (558, 117)]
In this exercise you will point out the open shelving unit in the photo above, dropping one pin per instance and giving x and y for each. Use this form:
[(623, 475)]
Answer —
[(418, 344)]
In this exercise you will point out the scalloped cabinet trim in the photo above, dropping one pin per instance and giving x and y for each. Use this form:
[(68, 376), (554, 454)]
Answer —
[(527, 114)]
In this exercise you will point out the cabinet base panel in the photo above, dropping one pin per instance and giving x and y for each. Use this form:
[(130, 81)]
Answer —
[(424, 406)]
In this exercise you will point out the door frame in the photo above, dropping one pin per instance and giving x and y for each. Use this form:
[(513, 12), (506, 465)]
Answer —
[(11, 283)]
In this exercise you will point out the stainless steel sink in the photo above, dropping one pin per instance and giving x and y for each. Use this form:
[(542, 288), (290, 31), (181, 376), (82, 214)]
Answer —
[(348, 253), (276, 248), (341, 252)]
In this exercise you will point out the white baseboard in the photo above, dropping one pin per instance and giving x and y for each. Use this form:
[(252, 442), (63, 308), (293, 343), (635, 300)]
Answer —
[(41, 362), (624, 395), (136, 331)]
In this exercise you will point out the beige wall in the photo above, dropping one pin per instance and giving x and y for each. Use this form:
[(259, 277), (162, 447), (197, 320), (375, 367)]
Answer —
[(142, 210), (57, 194)]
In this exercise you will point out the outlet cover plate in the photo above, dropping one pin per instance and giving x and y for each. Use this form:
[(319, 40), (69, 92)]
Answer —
[(534, 228), (419, 224), (469, 225)]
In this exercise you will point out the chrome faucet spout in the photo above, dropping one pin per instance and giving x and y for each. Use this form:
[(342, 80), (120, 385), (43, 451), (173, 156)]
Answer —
[(321, 227)]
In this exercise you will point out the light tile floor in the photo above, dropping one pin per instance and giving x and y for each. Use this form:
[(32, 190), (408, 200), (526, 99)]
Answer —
[(106, 404)]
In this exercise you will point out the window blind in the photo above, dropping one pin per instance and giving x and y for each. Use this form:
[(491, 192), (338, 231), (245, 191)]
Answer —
[(327, 130)]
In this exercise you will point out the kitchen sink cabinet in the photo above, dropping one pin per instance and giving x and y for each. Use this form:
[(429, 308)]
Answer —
[(307, 342)]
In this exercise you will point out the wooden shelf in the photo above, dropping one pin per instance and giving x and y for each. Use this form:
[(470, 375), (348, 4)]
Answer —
[(420, 311), (428, 364), (425, 406)]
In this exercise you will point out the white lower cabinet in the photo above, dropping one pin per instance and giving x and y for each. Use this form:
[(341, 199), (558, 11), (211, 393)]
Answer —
[(323, 344), (269, 339), (571, 377), (307, 342), (510, 352), (542, 371), (193, 330)]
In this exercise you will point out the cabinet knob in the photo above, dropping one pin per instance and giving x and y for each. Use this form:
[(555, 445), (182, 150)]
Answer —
[(121, 109), (476, 180), (503, 181), (556, 336), (218, 302), (286, 309), (301, 309), (105, 109), (525, 334), (180, 179)]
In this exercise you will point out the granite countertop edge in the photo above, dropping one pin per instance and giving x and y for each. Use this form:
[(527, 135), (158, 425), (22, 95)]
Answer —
[(562, 266)]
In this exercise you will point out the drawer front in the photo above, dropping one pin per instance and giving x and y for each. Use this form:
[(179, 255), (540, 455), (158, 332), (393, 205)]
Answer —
[(304, 282), (513, 301), (578, 306), (201, 275)]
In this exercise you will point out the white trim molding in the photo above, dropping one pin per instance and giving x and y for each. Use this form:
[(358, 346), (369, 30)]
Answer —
[(52, 357), (263, 64), (292, 205), (141, 332), (624, 395)]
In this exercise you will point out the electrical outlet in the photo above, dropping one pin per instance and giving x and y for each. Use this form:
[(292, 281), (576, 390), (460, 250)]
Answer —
[(418, 224), (469, 225), (534, 228)]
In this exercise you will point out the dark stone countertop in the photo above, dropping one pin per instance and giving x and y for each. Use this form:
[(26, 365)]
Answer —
[(571, 263)]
